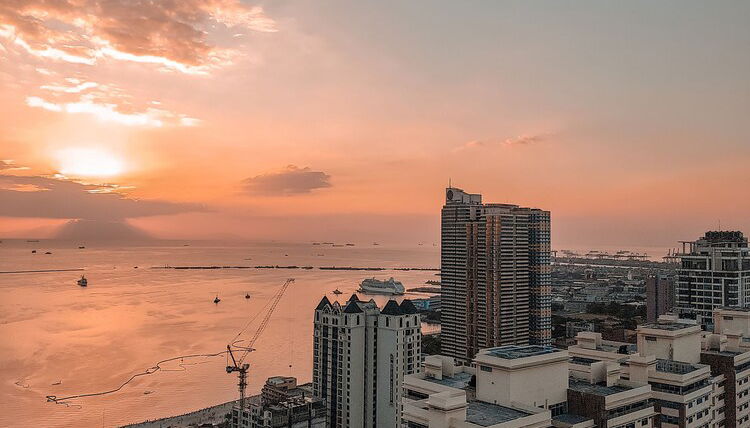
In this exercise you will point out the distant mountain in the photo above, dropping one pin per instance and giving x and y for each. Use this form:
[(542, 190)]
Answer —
[(101, 230)]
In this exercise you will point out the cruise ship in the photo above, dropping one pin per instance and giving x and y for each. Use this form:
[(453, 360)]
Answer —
[(376, 286)]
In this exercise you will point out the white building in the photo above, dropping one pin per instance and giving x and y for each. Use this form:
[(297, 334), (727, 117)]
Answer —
[(361, 354)]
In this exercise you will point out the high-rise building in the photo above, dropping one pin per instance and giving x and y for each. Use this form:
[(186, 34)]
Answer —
[(659, 296), (495, 274), (360, 356), (714, 272)]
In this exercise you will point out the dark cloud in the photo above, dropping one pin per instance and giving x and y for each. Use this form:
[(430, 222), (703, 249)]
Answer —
[(289, 181), (45, 197)]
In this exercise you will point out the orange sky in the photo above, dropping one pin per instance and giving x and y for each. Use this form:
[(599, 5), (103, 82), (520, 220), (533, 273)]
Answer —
[(289, 121)]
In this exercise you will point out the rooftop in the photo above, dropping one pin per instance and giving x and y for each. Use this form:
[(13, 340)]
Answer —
[(571, 419), (487, 414), (459, 380), (668, 326), (583, 361), (512, 352), (676, 367), (595, 388)]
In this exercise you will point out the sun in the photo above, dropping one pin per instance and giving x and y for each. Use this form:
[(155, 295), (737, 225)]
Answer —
[(89, 162)]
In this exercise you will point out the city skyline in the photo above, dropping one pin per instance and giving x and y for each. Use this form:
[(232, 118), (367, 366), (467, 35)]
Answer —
[(279, 120)]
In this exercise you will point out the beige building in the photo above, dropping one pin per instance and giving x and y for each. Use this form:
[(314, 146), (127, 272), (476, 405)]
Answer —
[(525, 386), (669, 356)]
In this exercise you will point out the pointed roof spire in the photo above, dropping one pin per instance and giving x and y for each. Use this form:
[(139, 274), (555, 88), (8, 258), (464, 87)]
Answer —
[(352, 308), (391, 308), (323, 303), (407, 307), (353, 298)]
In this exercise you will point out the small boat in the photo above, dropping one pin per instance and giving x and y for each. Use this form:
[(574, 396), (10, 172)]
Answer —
[(247, 295), (33, 251), (59, 382), (81, 247), (48, 252), (146, 392), (83, 282), (216, 299), (337, 292)]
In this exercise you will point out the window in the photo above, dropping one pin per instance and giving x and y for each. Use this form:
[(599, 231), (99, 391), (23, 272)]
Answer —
[(485, 368)]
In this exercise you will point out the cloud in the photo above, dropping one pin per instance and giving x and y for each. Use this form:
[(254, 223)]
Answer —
[(289, 181), (10, 164), (105, 102), (520, 140), (173, 35), (47, 197)]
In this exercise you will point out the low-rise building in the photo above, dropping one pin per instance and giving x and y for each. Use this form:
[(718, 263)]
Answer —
[(281, 404)]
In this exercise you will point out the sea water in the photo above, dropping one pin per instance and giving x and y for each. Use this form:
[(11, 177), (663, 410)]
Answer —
[(57, 338)]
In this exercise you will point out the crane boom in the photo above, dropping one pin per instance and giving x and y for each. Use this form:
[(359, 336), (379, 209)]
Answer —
[(238, 365), (267, 317)]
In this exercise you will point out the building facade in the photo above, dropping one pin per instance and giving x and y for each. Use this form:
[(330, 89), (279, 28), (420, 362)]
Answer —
[(659, 296), (361, 354), (714, 272), (281, 404), (495, 275)]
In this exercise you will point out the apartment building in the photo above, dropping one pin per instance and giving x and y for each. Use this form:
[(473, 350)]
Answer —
[(361, 354), (714, 272), (495, 274)]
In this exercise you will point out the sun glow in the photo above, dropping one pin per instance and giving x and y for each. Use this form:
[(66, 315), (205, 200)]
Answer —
[(88, 162)]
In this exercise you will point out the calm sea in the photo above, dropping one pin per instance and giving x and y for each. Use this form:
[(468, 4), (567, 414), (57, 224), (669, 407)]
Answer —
[(57, 338)]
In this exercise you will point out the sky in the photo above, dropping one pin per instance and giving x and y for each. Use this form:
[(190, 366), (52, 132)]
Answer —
[(339, 120)]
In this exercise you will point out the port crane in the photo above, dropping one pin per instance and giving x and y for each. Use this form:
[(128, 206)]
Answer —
[(238, 364)]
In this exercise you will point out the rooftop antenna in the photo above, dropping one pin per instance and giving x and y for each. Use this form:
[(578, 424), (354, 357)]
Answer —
[(449, 183)]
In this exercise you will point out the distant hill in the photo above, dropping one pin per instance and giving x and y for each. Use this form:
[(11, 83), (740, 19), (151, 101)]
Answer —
[(101, 230)]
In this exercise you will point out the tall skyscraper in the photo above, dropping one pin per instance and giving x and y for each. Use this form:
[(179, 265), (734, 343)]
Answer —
[(659, 296), (360, 357), (495, 274), (714, 272)]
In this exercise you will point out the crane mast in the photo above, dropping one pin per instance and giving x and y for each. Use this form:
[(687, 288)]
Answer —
[(238, 365)]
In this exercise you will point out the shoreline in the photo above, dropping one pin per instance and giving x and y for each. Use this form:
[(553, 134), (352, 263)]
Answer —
[(208, 415)]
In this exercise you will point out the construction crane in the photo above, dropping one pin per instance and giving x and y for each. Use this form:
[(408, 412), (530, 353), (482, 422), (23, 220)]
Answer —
[(238, 364)]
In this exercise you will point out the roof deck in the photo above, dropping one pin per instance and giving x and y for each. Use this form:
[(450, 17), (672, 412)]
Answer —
[(512, 352), (488, 414), (459, 380), (676, 367), (668, 326), (595, 388)]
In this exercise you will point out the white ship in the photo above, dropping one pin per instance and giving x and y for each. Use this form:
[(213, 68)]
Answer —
[(376, 286)]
